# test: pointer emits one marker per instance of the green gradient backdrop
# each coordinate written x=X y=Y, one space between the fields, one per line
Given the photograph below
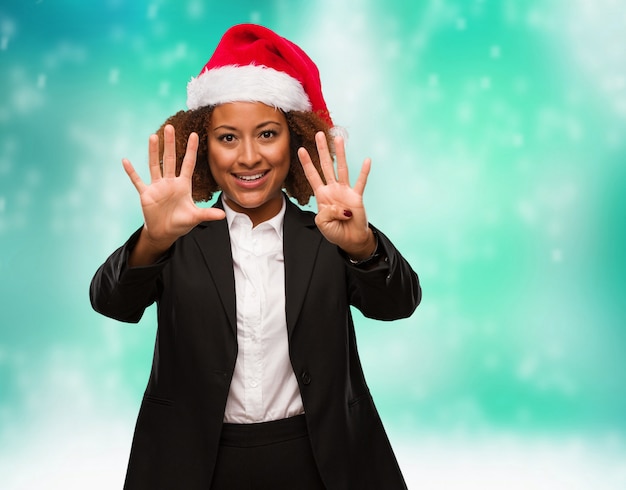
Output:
x=497 y=132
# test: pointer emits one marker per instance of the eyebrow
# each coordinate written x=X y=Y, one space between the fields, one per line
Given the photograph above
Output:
x=258 y=126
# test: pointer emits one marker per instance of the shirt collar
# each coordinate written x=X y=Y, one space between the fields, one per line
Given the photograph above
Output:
x=276 y=222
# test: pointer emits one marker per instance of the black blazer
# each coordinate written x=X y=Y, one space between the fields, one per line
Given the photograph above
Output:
x=178 y=428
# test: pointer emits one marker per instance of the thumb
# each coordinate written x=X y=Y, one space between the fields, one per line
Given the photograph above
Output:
x=210 y=214
x=332 y=213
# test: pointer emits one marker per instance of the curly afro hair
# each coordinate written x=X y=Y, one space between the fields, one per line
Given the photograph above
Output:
x=302 y=129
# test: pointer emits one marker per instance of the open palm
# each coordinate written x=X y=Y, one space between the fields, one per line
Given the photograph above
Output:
x=168 y=208
x=341 y=215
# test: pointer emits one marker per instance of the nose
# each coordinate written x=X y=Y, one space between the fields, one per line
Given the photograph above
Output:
x=249 y=153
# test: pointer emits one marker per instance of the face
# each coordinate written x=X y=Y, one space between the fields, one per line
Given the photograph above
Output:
x=249 y=157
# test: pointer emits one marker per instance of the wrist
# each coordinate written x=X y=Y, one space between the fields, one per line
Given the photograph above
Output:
x=147 y=251
x=366 y=252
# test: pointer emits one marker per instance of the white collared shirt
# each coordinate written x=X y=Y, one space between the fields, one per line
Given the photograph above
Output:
x=264 y=386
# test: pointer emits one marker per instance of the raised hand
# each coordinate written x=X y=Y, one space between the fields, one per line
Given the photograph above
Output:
x=168 y=209
x=341 y=216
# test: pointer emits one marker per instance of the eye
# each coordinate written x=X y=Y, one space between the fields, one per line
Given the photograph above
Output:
x=267 y=134
x=226 y=138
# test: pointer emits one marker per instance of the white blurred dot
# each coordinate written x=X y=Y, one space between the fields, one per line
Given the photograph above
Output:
x=433 y=80
x=614 y=82
x=26 y=98
x=461 y=24
x=620 y=106
x=195 y=8
x=7 y=30
x=153 y=10
x=614 y=139
x=527 y=212
x=518 y=140
x=255 y=17
x=520 y=85
x=41 y=81
x=485 y=83
x=465 y=113
x=495 y=51
x=527 y=368
x=557 y=255
x=164 y=89
x=393 y=50
x=114 y=76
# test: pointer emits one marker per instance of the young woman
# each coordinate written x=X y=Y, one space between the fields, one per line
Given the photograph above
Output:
x=256 y=380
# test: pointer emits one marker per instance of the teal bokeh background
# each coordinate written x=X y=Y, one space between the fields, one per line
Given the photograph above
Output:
x=497 y=132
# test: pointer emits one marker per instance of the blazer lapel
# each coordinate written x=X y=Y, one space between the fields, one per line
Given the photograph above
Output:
x=214 y=243
x=301 y=245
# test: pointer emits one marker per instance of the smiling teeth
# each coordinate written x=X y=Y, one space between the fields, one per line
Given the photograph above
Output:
x=250 y=178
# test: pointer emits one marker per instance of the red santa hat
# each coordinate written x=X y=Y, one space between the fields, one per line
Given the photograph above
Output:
x=254 y=64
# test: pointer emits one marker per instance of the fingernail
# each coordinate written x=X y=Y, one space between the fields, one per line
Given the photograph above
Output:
x=347 y=213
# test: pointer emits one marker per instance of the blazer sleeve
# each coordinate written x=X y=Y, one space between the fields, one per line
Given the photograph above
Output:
x=124 y=293
x=386 y=290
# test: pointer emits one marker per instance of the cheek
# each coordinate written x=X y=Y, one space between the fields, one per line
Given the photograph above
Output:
x=282 y=158
x=283 y=167
x=217 y=162
x=217 y=173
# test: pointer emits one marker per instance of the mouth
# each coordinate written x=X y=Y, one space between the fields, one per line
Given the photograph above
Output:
x=252 y=177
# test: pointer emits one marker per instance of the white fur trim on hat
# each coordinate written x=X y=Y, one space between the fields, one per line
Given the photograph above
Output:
x=249 y=83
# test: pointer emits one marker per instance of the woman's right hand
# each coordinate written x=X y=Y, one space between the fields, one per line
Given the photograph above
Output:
x=168 y=209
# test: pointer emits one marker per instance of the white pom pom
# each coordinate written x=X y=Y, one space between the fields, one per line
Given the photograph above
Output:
x=339 y=131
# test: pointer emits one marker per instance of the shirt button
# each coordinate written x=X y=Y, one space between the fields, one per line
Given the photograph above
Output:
x=305 y=377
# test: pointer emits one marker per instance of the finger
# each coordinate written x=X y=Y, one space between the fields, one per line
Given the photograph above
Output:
x=325 y=215
x=133 y=175
x=210 y=214
x=153 y=158
x=310 y=172
x=329 y=214
x=326 y=161
x=359 y=185
x=169 y=152
x=189 y=161
x=342 y=163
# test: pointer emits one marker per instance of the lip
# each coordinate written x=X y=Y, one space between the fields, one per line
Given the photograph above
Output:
x=241 y=179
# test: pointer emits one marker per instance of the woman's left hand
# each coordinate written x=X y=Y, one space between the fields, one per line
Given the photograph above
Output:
x=341 y=216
